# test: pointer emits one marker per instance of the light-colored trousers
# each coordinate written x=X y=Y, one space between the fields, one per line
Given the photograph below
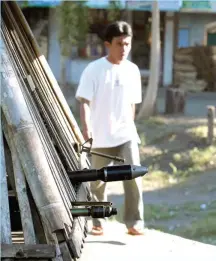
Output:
x=133 y=204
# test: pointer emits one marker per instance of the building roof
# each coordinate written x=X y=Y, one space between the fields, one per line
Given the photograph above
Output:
x=145 y=5
x=164 y=5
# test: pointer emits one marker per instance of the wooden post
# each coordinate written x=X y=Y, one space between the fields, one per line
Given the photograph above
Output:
x=211 y=119
x=175 y=101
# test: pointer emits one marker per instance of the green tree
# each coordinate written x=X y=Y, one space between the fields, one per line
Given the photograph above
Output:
x=114 y=11
x=73 y=24
x=73 y=21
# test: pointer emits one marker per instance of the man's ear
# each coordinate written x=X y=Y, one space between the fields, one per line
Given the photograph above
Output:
x=107 y=44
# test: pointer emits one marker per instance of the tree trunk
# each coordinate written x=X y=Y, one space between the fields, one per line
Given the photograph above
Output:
x=148 y=106
x=175 y=101
x=38 y=29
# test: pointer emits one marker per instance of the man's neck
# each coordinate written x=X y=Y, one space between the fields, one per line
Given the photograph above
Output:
x=113 y=60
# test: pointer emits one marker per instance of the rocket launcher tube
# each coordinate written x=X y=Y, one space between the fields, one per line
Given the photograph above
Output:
x=108 y=174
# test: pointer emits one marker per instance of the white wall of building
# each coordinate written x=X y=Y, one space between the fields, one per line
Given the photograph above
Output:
x=195 y=24
x=168 y=49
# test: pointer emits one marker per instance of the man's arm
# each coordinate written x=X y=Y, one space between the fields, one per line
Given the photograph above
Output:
x=85 y=118
x=84 y=95
x=133 y=110
x=136 y=95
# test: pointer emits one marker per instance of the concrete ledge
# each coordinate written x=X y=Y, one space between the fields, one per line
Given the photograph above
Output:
x=116 y=245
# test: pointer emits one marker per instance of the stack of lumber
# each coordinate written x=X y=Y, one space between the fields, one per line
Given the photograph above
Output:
x=185 y=71
x=41 y=133
x=204 y=58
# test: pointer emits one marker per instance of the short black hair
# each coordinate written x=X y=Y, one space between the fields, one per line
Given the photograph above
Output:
x=116 y=29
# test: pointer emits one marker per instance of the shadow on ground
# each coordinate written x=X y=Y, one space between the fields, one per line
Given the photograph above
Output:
x=186 y=209
x=118 y=243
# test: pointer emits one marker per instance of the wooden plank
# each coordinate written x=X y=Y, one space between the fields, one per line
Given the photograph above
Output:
x=5 y=212
x=21 y=251
x=21 y=189
x=65 y=252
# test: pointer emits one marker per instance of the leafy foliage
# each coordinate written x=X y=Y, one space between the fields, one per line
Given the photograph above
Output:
x=114 y=11
x=73 y=24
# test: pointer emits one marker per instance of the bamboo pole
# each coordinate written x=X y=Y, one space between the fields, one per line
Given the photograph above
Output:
x=31 y=153
x=40 y=96
x=211 y=119
x=5 y=225
x=31 y=64
x=21 y=189
x=49 y=74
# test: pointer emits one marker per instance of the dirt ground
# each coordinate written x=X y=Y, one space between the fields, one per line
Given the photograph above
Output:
x=180 y=189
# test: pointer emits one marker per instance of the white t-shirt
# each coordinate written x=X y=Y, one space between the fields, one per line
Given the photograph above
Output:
x=111 y=89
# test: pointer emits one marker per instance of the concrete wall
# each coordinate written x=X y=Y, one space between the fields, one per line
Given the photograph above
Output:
x=195 y=23
x=76 y=68
x=169 y=40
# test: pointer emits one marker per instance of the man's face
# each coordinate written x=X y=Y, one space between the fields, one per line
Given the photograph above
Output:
x=120 y=47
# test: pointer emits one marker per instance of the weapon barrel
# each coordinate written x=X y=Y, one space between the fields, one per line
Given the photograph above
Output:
x=108 y=174
x=94 y=212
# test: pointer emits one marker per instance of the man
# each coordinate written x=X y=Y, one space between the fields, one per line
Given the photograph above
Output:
x=108 y=91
